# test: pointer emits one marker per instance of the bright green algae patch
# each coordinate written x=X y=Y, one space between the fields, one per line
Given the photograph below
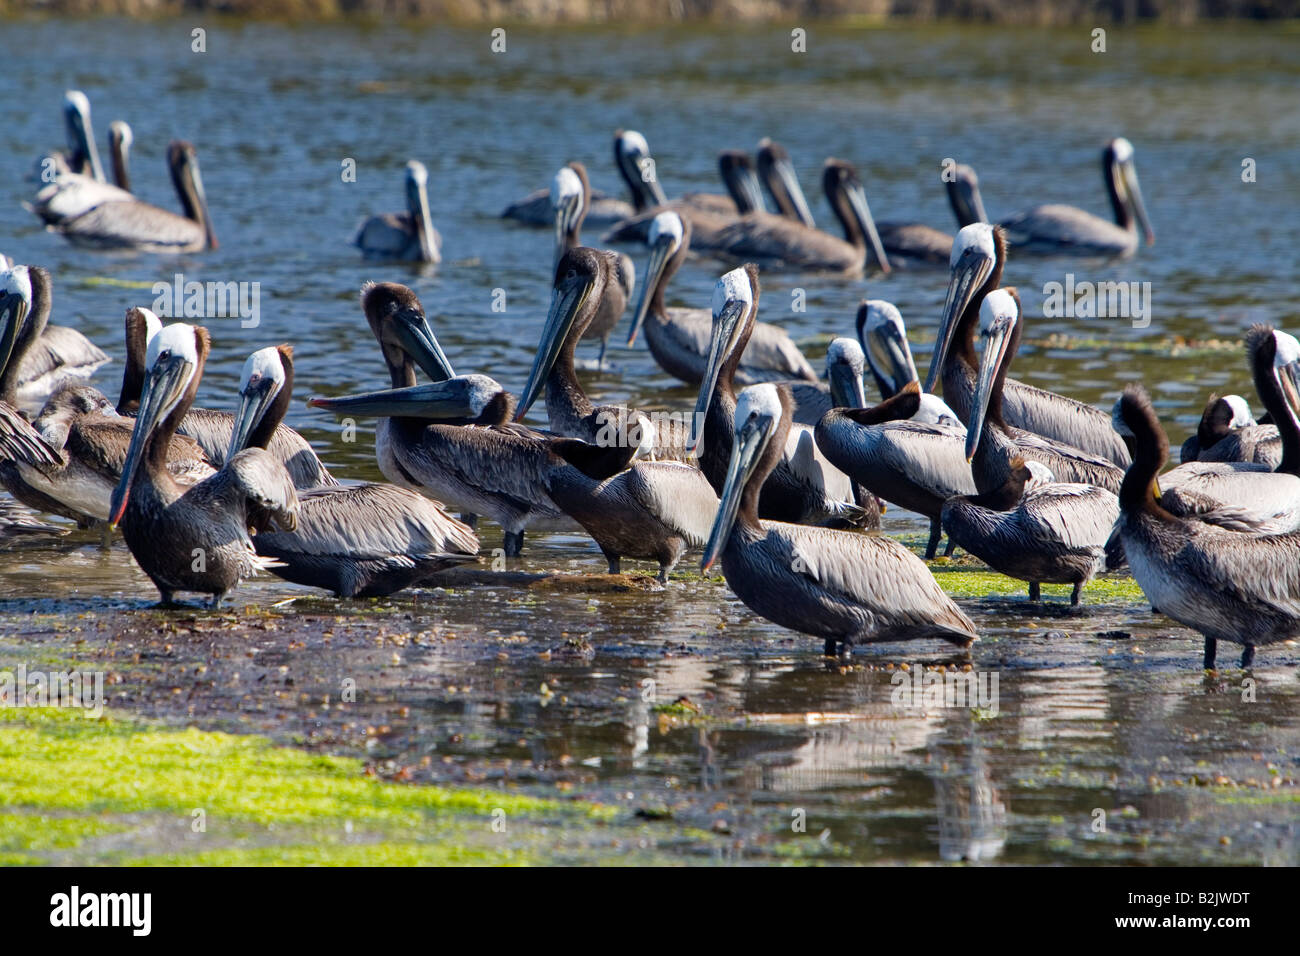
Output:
x=82 y=790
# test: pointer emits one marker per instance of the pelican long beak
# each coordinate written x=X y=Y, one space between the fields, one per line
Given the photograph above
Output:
x=785 y=175
x=748 y=186
x=846 y=386
x=567 y=301
x=968 y=276
x=1128 y=171
x=1288 y=377
x=164 y=385
x=725 y=325
x=81 y=141
x=660 y=253
x=566 y=216
x=418 y=201
x=254 y=400
x=996 y=343
x=447 y=400
x=890 y=357
x=201 y=197
x=13 y=312
x=751 y=440
x=862 y=212
x=421 y=344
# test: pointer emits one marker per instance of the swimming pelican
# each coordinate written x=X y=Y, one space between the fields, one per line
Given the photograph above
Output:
x=1023 y=523
x=1228 y=432
x=906 y=450
x=131 y=224
x=804 y=487
x=1239 y=494
x=780 y=243
x=583 y=279
x=679 y=338
x=963 y=188
x=74 y=181
x=404 y=236
x=1228 y=585
x=82 y=156
x=536 y=208
x=195 y=537
x=120 y=140
x=842 y=587
x=1057 y=229
x=776 y=172
x=979 y=253
x=363 y=540
x=211 y=428
x=571 y=196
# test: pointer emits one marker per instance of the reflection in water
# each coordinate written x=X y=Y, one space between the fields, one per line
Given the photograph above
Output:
x=972 y=815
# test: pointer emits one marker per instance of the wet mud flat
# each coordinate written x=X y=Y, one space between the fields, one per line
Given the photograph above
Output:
x=702 y=733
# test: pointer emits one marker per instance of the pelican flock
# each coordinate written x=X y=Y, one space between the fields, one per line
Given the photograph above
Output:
x=780 y=471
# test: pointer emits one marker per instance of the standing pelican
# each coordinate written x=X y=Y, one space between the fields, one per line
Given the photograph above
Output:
x=781 y=243
x=583 y=280
x=1228 y=585
x=1023 y=523
x=571 y=196
x=804 y=486
x=131 y=224
x=776 y=173
x=404 y=236
x=679 y=338
x=979 y=254
x=192 y=538
x=844 y=588
x=210 y=428
x=1056 y=229
x=365 y=540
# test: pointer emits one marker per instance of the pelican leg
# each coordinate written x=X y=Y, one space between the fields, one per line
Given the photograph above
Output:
x=1074 y=595
x=936 y=532
x=1035 y=592
x=949 y=547
x=105 y=535
x=514 y=543
x=615 y=564
x=1211 y=652
x=829 y=648
x=216 y=601
x=1248 y=655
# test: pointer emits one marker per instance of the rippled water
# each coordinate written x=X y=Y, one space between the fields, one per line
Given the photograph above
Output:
x=1086 y=720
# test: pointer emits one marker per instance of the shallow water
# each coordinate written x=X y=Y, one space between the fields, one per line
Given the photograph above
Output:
x=1086 y=718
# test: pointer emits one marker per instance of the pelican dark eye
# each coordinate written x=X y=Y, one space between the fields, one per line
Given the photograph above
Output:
x=164 y=354
x=571 y=274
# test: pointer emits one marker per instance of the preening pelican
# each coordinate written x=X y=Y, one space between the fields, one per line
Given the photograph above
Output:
x=131 y=224
x=571 y=196
x=1228 y=585
x=804 y=486
x=404 y=236
x=1022 y=523
x=46 y=357
x=843 y=587
x=776 y=173
x=1228 y=432
x=777 y=242
x=211 y=428
x=979 y=254
x=679 y=338
x=192 y=538
x=363 y=540
x=583 y=280
x=1057 y=229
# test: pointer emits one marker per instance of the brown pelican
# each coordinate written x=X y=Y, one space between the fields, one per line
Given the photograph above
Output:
x=1239 y=494
x=1228 y=432
x=1057 y=229
x=50 y=356
x=131 y=224
x=406 y=236
x=652 y=510
x=364 y=540
x=120 y=139
x=881 y=346
x=845 y=588
x=583 y=280
x=82 y=156
x=979 y=253
x=192 y=537
x=1228 y=585
x=212 y=429
x=1022 y=523
x=708 y=213
x=679 y=338
x=77 y=183
x=630 y=149
x=804 y=487
x=776 y=172
x=906 y=450
x=780 y=243
x=846 y=363
x=571 y=196
x=964 y=196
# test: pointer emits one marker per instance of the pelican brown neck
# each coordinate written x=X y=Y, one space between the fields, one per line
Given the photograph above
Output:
x=597 y=462
x=183 y=163
x=898 y=407
x=1139 y=490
